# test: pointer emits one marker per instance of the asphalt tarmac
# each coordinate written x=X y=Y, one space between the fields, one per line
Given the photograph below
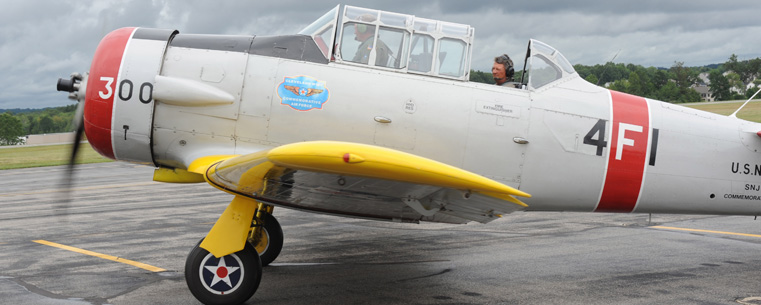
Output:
x=525 y=258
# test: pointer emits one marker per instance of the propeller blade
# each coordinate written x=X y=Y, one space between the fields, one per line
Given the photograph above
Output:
x=80 y=129
x=71 y=85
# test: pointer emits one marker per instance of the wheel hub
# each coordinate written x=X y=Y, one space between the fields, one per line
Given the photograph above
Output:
x=221 y=275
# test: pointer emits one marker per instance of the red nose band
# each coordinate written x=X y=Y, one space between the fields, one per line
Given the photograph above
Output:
x=101 y=89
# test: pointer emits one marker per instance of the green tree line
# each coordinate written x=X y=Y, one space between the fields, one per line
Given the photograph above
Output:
x=48 y=120
x=672 y=85
x=732 y=80
x=24 y=122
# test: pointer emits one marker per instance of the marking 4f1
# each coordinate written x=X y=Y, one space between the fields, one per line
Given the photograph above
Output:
x=596 y=137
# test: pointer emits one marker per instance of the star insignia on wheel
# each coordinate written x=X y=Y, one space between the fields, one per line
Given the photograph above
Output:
x=221 y=272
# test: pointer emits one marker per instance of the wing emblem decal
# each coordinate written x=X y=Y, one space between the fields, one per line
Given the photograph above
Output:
x=303 y=93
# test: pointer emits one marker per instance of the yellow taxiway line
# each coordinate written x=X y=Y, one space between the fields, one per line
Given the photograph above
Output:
x=706 y=231
x=103 y=256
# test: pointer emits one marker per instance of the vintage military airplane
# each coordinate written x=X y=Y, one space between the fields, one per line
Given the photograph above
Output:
x=323 y=122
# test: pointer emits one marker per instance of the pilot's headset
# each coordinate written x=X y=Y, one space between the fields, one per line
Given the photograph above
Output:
x=363 y=28
x=508 y=63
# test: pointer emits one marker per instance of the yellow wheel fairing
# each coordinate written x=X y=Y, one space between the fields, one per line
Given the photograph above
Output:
x=230 y=232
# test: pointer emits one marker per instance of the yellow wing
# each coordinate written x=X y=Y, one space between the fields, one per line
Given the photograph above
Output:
x=296 y=172
x=351 y=179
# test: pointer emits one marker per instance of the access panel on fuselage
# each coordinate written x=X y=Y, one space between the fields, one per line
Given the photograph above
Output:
x=497 y=126
x=567 y=154
x=185 y=131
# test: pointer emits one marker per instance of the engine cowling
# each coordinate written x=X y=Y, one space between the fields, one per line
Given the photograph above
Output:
x=119 y=104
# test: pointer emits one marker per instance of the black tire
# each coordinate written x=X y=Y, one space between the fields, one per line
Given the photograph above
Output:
x=223 y=286
x=270 y=246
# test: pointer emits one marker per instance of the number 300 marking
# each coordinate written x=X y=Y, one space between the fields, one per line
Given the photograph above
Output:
x=125 y=88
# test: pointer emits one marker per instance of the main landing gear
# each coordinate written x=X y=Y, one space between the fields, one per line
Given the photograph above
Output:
x=234 y=278
x=266 y=236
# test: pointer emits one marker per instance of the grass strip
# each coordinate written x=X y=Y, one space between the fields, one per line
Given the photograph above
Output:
x=46 y=155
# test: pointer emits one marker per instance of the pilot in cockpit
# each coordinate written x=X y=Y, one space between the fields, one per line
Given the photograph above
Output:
x=503 y=71
x=364 y=34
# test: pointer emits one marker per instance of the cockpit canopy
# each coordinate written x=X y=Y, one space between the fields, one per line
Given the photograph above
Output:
x=409 y=44
x=394 y=41
x=544 y=65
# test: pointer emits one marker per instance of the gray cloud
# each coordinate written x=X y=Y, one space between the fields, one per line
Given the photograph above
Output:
x=42 y=40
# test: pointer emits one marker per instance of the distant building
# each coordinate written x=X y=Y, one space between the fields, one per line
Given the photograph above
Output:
x=703 y=78
x=705 y=92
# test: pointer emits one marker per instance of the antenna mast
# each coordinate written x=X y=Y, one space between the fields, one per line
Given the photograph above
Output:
x=606 y=66
x=734 y=115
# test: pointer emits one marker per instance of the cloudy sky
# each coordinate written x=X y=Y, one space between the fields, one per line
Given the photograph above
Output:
x=42 y=40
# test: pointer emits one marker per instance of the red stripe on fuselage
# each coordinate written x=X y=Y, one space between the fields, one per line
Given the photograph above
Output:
x=627 y=153
x=99 y=110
